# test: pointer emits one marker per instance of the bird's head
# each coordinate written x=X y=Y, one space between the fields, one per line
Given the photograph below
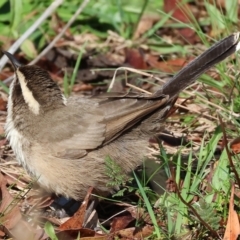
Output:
x=34 y=88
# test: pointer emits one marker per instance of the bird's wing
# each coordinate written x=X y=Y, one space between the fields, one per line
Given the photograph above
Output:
x=72 y=126
x=122 y=111
x=86 y=124
x=118 y=111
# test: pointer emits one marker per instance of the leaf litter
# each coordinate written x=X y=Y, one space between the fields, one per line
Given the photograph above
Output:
x=190 y=118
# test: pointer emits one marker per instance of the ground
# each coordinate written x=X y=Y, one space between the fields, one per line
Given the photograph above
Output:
x=133 y=47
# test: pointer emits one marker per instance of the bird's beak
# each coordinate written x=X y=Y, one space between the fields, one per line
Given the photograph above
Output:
x=13 y=60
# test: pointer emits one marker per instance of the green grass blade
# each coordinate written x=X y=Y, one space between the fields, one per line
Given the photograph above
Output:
x=73 y=78
x=145 y=4
x=48 y=227
x=16 y=15
x=149 y=207
x=4 y=87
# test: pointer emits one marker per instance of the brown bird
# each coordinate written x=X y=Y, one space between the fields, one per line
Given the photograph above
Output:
x=63 y=142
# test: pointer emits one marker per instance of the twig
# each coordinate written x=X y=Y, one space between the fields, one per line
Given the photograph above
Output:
x=233 y=87
x=228 y=152
x=70 y=22
x=131 y=70
x=48 y=12
x=206 y=225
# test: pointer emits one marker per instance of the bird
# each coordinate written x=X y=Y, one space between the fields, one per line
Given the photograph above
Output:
x=63 y=142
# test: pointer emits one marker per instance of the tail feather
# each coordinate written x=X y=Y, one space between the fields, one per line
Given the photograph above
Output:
x=199 y=65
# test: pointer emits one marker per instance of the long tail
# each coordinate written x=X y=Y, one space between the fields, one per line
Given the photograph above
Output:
x=199 y=65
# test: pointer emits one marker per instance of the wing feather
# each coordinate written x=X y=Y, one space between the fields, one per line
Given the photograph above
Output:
x=93 y=122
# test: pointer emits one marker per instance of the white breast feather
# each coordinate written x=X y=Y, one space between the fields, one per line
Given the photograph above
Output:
x=15 y=138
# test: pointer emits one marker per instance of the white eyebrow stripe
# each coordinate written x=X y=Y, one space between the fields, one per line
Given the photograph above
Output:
x=33 y=104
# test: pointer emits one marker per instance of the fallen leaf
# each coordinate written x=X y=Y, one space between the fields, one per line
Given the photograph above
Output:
x=205 y=125
x=233 y=227
x=11 y=218
x=169 y=66
x=135 y=58
x=144 y=25
x=77 y=221
x=85 y=37
x=120 y=223
x=235 y=145
x=6 y=73
x=72 y=234
x=181 y=12
x=82 y=87
x=135 y=233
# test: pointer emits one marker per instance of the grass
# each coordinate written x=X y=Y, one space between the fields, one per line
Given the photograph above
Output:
x=149 y=208
x=177 y=205
x=68 y=83
x=49 y=229
x=118 y=15
x=193 y=193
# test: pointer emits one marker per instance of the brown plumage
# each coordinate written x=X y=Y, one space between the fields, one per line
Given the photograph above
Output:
x=63 y=142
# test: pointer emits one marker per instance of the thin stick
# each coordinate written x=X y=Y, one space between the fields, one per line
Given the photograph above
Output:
x=228 y=152
x=130 y=70
x=48 y=12
x=70 y=22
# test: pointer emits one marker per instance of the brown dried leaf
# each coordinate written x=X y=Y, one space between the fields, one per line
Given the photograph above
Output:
x=181 y=12
x=205 y=125
x=144 y=25
x=72 y=234
x=3 y=107
x=233 y=227
x=5 y=74
x=135 y=233
x=76 y=222
x=15 y=176
x=170 y=66
x=11 y=218
x=136 y=212
x=235 y=145
x=120 y=223
x=38 y=200
x=85 y=37
x=11 y=214
x=135 y=58
x=82 y=87
x=140 y=214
